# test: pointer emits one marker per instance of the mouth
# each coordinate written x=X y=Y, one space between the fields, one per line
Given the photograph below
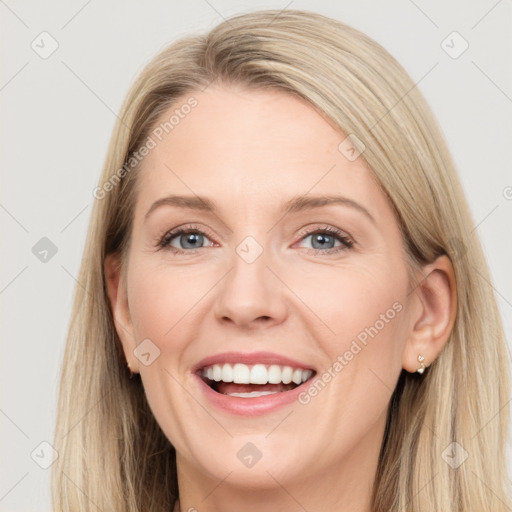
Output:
x=252 y=381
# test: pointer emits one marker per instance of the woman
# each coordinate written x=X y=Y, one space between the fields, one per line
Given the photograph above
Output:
x=218 y=361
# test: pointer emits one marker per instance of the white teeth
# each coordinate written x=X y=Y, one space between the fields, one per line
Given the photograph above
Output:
x=253 y=394
x=241 y=374
x=217 y=373
x=274 y=374
x=286 y=374
x=297 y=376
x=306 y=374
x=259 y=374
x=227 y=373
x=256 y=374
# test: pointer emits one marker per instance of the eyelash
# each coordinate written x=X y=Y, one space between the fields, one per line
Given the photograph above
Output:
x=164 y=242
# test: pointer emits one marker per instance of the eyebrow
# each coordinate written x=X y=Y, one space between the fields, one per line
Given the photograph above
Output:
x=295 y=204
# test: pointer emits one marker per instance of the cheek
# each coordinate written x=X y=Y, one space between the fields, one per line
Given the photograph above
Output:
x=353 y=302
x=163 y=300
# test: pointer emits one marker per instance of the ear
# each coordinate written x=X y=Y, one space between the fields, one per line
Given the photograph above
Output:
x=434 y=311
x=115 y=277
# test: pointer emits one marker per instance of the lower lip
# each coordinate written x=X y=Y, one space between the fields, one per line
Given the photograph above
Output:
x=249 y=406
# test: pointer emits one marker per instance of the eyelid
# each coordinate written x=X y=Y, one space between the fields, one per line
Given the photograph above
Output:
x=163 y=241
x=345 y=239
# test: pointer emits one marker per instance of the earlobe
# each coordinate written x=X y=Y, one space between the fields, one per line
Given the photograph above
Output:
x=434 y=315
x=116 y=290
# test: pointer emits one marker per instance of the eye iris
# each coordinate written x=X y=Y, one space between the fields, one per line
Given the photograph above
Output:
x=322 y=240
x=191 y=238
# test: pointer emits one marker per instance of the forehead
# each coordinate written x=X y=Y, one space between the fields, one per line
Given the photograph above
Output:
x=238 y=144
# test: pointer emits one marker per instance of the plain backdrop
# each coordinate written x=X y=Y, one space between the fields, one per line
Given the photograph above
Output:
x=57 y=114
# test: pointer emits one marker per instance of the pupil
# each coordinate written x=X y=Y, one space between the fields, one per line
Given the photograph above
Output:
x=322 y=239
x=191 y=238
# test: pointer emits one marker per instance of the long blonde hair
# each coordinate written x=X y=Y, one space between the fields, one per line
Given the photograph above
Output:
x=113 y=455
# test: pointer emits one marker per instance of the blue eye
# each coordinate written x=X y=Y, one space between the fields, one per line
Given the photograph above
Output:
x=190 y=239
x=325 y=238
x=188 y=236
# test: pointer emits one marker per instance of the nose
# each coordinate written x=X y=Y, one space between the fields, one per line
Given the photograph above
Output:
x=251 y=295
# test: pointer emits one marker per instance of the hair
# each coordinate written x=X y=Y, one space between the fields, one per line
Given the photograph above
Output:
x=113 y=454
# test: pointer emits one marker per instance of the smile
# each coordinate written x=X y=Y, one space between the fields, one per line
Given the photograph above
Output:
x=251 y=383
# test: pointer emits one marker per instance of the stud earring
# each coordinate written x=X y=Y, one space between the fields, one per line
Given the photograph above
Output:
x=130 y=368
x=421 y=369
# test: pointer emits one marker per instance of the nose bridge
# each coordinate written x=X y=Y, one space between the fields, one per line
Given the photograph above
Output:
x=250 y=290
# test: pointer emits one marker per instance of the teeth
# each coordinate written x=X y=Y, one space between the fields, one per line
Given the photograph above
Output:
x=256 y=374
x=297 y=376
x=227 y=373
x=252 y=394
x=286 y=374
x=241 y=374
x=259 y=374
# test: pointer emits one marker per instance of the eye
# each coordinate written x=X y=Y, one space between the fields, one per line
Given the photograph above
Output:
x=324 y=239
x=188 y=239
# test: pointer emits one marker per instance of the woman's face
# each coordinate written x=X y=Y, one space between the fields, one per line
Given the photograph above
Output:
x=269 y=282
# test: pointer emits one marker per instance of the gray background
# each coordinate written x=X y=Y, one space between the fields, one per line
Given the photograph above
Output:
x=57 y=116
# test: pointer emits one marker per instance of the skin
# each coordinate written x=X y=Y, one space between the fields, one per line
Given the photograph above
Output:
x=249 y=151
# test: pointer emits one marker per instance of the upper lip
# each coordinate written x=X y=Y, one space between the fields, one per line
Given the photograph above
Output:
x=250 y=358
